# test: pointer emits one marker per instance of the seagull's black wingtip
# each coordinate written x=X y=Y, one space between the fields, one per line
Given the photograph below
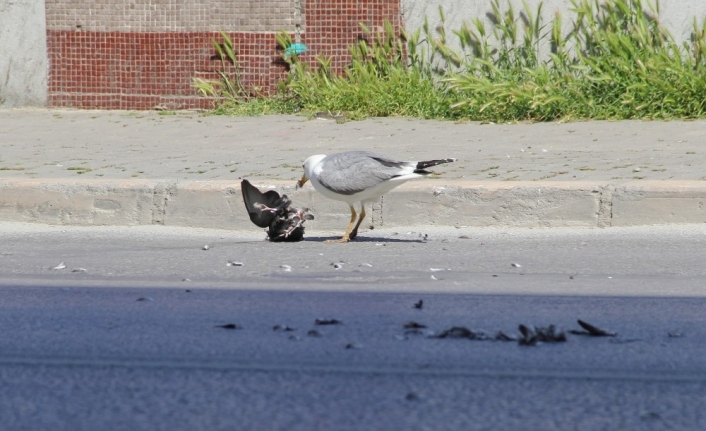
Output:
x=421 y=166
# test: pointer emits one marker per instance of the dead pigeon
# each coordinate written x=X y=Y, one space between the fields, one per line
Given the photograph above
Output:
x=269 y=210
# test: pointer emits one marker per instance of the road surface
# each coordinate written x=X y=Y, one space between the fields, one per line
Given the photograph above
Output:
x=137 y=337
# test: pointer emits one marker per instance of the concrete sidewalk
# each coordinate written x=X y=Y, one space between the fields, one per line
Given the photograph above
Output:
x=130 y=168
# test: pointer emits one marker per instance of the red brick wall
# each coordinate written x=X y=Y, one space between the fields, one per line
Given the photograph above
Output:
x=91 y=65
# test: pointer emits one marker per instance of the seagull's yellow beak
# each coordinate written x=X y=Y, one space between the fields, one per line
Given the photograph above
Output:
x=302 y=181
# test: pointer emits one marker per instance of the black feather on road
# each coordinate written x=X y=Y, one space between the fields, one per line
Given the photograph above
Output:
x=274 y=212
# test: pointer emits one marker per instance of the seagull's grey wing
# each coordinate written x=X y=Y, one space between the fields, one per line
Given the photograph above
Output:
x=253 y=196
x=354 y=171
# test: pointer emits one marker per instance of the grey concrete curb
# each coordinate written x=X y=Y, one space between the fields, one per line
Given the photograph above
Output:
x=218 y=204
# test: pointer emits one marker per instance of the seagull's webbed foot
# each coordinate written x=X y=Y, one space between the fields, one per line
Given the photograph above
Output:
x=339 y=240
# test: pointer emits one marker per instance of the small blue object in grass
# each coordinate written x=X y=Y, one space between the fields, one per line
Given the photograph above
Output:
x=295 y=49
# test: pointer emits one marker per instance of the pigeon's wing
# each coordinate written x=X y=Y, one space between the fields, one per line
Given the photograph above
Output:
x=253 y=196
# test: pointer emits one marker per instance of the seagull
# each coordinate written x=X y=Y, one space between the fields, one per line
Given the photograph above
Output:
x=270 y=210
x=359 y=176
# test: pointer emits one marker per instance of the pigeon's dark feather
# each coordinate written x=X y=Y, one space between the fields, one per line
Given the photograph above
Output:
x=252 y=197
x=269 y=210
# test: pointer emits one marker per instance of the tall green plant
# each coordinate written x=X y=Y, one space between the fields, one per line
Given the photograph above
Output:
x=617 y=62
x=386 y=76
x=229 y=84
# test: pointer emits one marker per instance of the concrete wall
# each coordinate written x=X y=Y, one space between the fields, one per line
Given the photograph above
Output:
x=23 y=53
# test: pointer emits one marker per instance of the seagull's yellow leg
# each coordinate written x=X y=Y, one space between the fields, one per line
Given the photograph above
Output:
x=354 y=232
x=346 y=236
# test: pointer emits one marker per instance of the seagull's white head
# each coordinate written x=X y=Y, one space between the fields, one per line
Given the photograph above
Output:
x=309 y=165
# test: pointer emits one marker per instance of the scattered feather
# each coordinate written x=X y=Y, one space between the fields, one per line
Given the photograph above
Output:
x=413 y=325
x=60 y=266
x=591 y=330
x=79 y=270
x=530 y=335
x=457 y=332
x=327 y=322
x=234 y=263
x=411 y=396
x=286 y=268
x=501 y=336
x=205 y=247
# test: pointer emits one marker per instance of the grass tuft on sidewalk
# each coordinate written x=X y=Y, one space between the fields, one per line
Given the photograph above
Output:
x=613 y=61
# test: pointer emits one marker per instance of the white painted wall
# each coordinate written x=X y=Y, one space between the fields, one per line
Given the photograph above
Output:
x=23 y=53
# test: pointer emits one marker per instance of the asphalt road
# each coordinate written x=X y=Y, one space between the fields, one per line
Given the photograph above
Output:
x=136 y=340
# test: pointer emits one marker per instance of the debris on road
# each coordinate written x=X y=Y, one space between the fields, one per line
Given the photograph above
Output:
x=413 y=325
x=229 y=326
x=459 y=332
x=591 y=330
x=327 y=322
x=501 y=336
x=531 y=336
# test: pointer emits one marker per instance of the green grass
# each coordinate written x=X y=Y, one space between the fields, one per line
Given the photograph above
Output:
x=617 y=62
x=79 y=169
